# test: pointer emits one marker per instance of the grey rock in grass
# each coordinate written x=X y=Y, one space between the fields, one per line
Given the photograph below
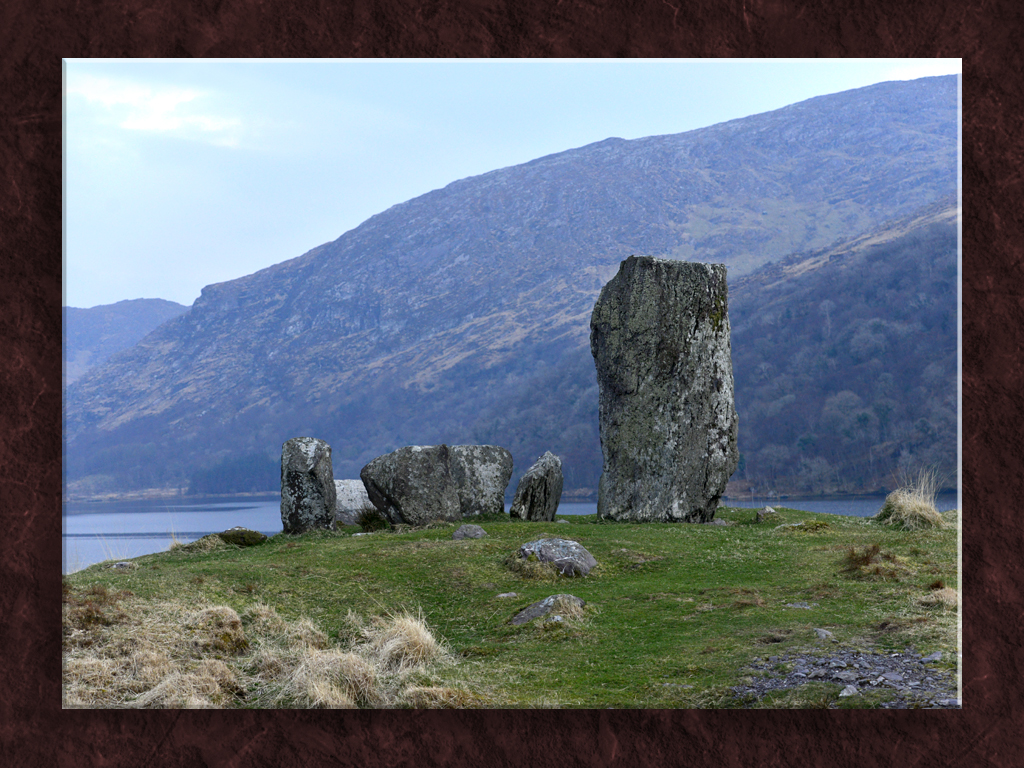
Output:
x=660 y=337
x=352 y=499
x=308 y=495
x=570 y=557
x=481 y=474
x=413 y=485
x=539 y=490
x=545 y=606
x=767 y=514
x=242 y=537
x=469 y=531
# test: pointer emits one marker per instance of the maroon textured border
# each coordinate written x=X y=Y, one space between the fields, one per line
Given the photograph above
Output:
x=34 y=35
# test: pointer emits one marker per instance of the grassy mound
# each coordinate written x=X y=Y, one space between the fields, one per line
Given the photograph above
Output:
x=411 y=618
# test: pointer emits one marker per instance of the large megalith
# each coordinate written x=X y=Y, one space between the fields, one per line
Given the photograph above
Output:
x=539 y=490
x=659 y=334
x=308 y=495
x=413 y=485
x=481 y=474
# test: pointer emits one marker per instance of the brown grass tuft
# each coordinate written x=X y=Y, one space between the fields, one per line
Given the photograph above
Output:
x=911 y=507
x=870 y=561
x=332 y=679
x=437 y=697
x=566 y=608
x=944 y=597
x=304 y=634
x=403 y=642
x=181 y=691
x=220 y=629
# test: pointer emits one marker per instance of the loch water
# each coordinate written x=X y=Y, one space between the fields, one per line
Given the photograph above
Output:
x=118 y=530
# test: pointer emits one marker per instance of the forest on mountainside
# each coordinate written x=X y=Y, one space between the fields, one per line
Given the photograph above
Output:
x=846 y=378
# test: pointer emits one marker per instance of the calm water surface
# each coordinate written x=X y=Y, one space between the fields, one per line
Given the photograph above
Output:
x=98 y=531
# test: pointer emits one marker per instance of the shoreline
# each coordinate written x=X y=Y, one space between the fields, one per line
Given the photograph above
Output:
x=152 y=494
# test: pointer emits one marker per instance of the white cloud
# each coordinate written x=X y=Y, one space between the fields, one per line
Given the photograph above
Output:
x=164 y=109
x=915 y=68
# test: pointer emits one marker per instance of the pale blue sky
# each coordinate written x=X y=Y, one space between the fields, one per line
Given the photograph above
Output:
x=179 y=174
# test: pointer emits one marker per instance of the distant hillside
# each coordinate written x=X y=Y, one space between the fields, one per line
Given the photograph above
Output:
x=844 y=362
x=432 y=320
x=92 y=335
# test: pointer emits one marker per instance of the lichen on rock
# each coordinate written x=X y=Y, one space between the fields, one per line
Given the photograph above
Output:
x=660 y=337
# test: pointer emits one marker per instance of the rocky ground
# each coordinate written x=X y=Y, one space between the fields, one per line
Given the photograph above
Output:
x=915 y=679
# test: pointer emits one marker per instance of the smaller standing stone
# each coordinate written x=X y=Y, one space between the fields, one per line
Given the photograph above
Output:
x=481 y=474
x=413 y=485
x=469 y=532
x=308 y=495
x=352 y=500
x=539 y=491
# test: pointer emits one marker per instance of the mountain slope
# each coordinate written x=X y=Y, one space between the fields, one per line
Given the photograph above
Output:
x=92 y=335
x=440 y=305
x=844 y=363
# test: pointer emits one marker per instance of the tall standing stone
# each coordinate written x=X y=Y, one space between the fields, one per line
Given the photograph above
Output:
x=660 y=338
x=308 y=496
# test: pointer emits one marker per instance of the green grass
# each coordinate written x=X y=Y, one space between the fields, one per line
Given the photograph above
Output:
x=686 y=605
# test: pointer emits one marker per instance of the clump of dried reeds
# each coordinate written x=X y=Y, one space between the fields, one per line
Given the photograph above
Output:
x=912 y=505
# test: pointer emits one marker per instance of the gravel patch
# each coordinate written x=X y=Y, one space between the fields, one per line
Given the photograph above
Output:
x=915 y=679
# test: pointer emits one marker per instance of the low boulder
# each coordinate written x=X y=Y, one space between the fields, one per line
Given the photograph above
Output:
x=481 y=474
x=308 y=495
x=352 y=499
x=766 y=515
x=559 y=604
x=539 y=490
x=242 y=537
x=570 y=557
x=413 y=485
x=469 y=532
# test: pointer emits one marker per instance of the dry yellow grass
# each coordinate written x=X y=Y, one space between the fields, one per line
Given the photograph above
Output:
x=403 y=642
x=329 y=679
x=566 y=608
x=123 y=652
x=912 y=506
x=945 y=597
x=439 y=697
